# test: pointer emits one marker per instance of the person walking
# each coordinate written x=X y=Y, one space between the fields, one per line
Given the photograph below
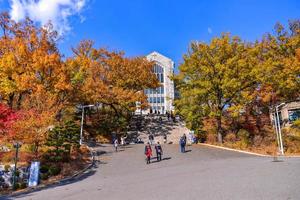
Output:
x=116 y=143
x=184 y=137
x=182 y=144
x=123 y=140
x=148 y=152
x=165 y=138
x=159 y=151
x=151 y=138
x=160 y=120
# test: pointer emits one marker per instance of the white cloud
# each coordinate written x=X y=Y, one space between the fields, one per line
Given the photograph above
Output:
x=43 y=11
x=209 y=30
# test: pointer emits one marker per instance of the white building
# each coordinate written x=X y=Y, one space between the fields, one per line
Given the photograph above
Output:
x=161 y=99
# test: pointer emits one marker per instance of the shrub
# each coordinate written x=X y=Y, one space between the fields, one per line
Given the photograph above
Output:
x=296 y=124
x=292 y=144
x=44 y=169
x=54 y=170
x=230 y=137
x=243 y=136
x=17 y=186
x=44 y=176
x=7 y=157
x=211 y=138
x=23 y=185
x=6 y=168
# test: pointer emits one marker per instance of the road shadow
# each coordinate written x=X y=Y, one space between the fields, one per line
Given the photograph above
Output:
x=29 y=193
x=156 y=161
x=187 y=151
x=167 y=158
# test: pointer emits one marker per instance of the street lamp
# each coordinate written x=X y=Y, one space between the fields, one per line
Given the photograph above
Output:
x=278 y=128
x=17 y=145
x=81 y=125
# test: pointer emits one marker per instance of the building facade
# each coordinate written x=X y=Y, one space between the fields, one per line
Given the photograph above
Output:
x=288 y=113
x=161 y=99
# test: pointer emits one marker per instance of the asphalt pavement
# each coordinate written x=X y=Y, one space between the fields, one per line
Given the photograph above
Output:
x=200 y=173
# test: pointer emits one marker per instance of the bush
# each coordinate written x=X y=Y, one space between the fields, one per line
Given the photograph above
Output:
x=6 y=168
x=7 y=157
x=23 y=185
x=54 y=170
x=230 y=137
x=296 y=124
x=243 y=136
x=211 y=138
x=44 y=169
x=44 y=176
x=17 y=186
x=292 y=144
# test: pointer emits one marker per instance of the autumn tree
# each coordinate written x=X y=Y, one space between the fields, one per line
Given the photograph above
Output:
x=216 y=76
x=109 y=79
x=7 y=119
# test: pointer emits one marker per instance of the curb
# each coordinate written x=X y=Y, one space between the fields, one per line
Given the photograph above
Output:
x=245 y=152
x=43 y=186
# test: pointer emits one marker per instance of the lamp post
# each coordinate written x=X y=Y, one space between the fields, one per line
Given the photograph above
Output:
x=279 y=135
x=17 y=145
x=81 y=125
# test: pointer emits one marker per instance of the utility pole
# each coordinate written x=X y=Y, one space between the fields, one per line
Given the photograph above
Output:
x=81 y=125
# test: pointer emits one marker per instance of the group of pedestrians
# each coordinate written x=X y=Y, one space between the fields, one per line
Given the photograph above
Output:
x=148 y=152
x=158 y=148
x=116 y=142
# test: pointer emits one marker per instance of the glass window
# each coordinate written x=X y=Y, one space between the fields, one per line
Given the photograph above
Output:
x=151 y=100
x=294 y=115
x=161 y=78
x=162 y=100
x=154 y=99
x=158 y=99
x=162 y=90
x=163 y=108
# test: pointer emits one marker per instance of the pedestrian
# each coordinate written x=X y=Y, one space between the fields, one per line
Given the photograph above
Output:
x=116 y=143
x=151 y=138
x=165 y=138
x=159 y=151
x=190 y=136
x=184 y=137
x=148 y=152
x=123 y=140
x=182 y=144
x=160 y=120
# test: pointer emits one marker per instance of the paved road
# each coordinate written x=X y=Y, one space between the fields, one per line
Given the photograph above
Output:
x=201 y=173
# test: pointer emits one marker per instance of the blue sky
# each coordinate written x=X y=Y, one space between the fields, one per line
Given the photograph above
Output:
x=139 y=27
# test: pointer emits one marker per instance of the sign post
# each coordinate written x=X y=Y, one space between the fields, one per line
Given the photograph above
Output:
x=34 y=174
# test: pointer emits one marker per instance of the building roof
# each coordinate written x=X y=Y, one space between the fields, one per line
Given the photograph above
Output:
x=155 y=56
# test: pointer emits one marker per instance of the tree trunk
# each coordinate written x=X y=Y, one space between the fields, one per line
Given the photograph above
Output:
x=219 y=129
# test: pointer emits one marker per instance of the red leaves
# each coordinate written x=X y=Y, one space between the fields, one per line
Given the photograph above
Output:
x=7 y=119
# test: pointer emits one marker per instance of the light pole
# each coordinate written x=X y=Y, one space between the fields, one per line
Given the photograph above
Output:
x=17 y=145
x=81 y=125
x=279 y=135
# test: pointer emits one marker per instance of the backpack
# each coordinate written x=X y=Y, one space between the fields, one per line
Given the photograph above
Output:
x=182 y=141
x=158 y=148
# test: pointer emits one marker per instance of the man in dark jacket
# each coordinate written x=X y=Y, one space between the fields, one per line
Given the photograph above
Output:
x=182 y=143
x=159 y=151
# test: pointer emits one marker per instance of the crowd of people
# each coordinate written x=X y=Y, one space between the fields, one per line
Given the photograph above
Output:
x=157 y=146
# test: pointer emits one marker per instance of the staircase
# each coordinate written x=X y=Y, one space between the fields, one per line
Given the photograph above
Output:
x=141 y=126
